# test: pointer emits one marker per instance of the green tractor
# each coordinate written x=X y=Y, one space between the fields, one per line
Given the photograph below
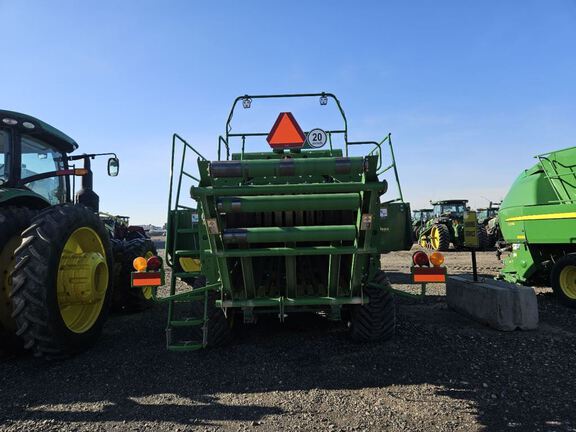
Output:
x=447 y=227
x=299 y=228
x=56 y=257
x=128 y=243
x=538 y=222
x=419 y=219
x=488 y=220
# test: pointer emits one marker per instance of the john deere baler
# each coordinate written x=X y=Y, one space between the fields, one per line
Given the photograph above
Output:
x=299 y=228
x=538 y=222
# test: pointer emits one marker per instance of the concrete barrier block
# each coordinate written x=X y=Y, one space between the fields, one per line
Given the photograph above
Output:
x=501 y=305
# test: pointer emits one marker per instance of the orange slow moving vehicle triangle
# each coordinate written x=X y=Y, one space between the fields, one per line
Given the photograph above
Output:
x=286 y=133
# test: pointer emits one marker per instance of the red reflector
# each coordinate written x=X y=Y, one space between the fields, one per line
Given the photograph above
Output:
x=286 y=133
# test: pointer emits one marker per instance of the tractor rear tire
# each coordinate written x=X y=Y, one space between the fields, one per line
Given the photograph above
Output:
x=125 y=298
x=62 y=281
x=13 y=220
x=483 y=238
x=563 y=280
x=219 y=326
x=440 y=237
x=376 y=320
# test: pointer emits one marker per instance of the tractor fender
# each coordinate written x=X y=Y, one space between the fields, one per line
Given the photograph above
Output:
x=22 y=198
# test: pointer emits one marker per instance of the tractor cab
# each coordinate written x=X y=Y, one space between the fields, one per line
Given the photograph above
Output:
x=421 y=215
x=451 y=208
x=30 y=150
x=35 y=163
x=484 y=215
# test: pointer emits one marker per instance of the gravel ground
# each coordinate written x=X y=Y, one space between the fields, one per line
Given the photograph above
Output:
x=441 y=372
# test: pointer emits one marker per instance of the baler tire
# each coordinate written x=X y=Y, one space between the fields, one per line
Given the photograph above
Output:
x=563 y=280
x=13 y=220
x=219 y=326
x=125 y=298
x=374 y=321
x=443 y=238
x=37 y=310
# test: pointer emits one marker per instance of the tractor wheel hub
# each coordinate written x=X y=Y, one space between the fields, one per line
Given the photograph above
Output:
x=83 y=278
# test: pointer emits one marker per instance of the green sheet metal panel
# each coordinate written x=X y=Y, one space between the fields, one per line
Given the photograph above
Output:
x=395 y=223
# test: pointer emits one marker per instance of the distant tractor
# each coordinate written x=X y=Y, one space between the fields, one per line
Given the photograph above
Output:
x=299 y=228
x=447 y=226
x=538 y=222
x=56 y=255
x=419 y=219
x=128 y=243
x=488 y=219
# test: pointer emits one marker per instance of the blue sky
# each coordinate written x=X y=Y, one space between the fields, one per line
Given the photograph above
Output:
x=469 y=90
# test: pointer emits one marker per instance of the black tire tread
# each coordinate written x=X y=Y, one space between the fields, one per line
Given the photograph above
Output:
x=12 y=220
x=34 y=273
x=444 y=241
x=125 y=298
x=219 y=330
x=376 y=320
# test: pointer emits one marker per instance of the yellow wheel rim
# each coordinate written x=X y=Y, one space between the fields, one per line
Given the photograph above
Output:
x=82 y=280
x=423 y=241
x=7 y=261
x=435 y=238
x=568 y=281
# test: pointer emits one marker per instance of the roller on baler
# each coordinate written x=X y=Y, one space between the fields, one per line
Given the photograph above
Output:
x=296 y=229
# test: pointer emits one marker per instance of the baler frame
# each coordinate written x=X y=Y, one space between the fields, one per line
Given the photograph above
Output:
x=210 y=194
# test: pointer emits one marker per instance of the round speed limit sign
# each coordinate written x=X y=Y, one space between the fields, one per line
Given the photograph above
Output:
x=317 y=138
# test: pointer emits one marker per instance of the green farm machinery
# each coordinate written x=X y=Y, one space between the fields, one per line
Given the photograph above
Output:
x=296 y=228
x=538 y=222
x=488 y=220
x=419 y=219
x=56 y=256
x=445 y=227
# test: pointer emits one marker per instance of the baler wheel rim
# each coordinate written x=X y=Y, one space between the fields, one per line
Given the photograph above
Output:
x=568 y=281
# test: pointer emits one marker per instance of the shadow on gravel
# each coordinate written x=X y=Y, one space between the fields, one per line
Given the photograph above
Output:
x=439 y=363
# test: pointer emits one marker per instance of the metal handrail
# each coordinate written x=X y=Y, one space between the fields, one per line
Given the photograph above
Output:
x=379 y=169
x=344 y=131
x=175 y=139
x=557 y=176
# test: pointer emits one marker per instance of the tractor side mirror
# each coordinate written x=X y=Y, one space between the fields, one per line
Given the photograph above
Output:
x=113 y=166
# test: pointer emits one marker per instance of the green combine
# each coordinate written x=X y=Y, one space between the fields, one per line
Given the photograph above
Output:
x=298 y=228
x=538 y=222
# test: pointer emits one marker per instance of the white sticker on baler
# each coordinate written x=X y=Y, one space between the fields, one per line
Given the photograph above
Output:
x=383 y=212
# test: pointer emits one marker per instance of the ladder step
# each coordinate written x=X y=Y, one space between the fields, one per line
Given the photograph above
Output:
x=187 y=322
x=185 y=346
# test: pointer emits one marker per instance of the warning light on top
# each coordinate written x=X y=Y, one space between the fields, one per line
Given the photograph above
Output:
x=286 y=133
